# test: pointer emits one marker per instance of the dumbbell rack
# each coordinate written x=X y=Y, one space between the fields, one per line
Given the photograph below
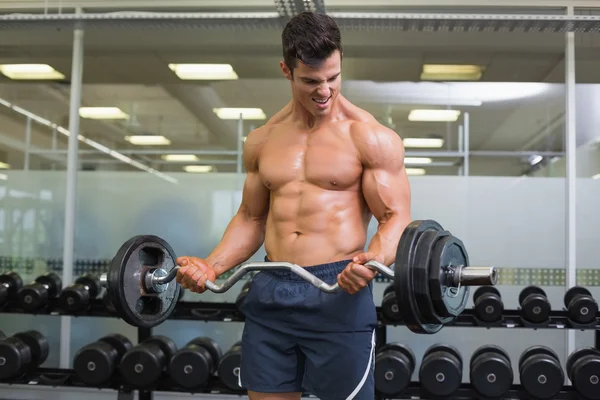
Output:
x=227 y=312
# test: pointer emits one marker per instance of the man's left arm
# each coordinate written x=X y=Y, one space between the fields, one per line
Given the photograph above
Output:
x=386 y=190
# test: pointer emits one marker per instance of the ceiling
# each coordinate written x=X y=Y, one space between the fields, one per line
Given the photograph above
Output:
x=521 y=93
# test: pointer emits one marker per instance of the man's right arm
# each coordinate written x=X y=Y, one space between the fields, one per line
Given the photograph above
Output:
x=245 y=232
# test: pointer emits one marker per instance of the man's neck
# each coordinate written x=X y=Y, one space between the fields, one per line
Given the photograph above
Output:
x=310 y=121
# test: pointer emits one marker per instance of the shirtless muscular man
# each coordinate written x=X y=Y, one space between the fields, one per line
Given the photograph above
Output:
x=317 y=172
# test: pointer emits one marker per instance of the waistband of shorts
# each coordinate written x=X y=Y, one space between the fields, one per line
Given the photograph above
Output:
x=321 y=271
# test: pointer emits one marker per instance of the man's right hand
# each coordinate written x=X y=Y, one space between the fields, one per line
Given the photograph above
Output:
x=193 y=273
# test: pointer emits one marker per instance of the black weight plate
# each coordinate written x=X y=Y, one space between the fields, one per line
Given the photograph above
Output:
x=491 y=373
x=14 y=282
x=574 y=291
x=537 y=349
x=440 y=374
x=490 y=349
x=404 y=276
x=484 y=290
x=213 y=348
x=229 y=368
x=125 y=291
x=541 y=375
x=448 y=301
x=421 y=282
x=121 y=343
x=577 y=354
x=190 y=367
x=38 y=346
x=393 y=369
x=94 y=363
x=530 y=290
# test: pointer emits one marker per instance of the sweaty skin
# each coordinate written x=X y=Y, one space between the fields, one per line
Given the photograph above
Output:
x=316 y=174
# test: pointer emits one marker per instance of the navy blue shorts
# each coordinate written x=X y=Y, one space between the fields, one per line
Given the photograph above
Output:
x=299 y=339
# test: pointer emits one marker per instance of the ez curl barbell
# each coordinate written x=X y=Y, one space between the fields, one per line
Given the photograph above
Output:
x=431 y=278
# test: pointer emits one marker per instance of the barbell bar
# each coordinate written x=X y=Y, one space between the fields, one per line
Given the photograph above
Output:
x=431 y=276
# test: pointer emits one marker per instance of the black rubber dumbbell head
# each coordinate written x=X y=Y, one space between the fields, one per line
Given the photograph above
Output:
x=76 y=297
x=3 y=295
x=540 y=372
x=394 y=366
x=534 y=303
x=21 y=352
x=488 y=304
x=36 y=294
x=581 y=306
x=583 y=369
x=440 y=373
x=491 y=372
x=388 y=289
x=12 y=282
x=192 y=366
x=389 y=307
x=229 y=367
x=142 y=366
x=96 y=363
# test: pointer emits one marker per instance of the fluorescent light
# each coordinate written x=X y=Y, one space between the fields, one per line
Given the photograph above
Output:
x=4 y=165
x=148 y=140
x=417 y=160
x=197 y=168
x=3 y=177
x=434 y=115
x=534 y=159
x=234 y=113
x=423 y=142
x=450 y=72
x=415 y=171
x=180 y=157
x=204 y=71
x=597 y=176
x=102 y=113
x=30 y=71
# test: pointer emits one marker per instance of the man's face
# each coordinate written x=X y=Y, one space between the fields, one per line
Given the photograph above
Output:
x=316 y=88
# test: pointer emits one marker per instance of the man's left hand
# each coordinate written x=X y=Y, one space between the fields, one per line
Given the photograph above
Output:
x=356 y=276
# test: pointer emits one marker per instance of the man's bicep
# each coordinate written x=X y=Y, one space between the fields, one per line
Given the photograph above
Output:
x=255 y=197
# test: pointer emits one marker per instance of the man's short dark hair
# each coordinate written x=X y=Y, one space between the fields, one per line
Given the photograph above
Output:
x=310 y=38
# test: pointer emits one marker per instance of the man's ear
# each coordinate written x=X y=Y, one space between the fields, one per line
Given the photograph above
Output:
x=286 y=70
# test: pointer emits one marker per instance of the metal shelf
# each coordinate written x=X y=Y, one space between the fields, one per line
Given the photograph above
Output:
x=419 y=22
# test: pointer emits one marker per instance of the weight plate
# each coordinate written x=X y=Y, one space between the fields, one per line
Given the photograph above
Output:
x=530 y=290
x=404 y=276
x=541 y=375
x=124 y=286
x=448 y=301
x=422 y=267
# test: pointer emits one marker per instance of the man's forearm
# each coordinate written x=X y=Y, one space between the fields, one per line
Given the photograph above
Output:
x=242 y=238
x=386 y=239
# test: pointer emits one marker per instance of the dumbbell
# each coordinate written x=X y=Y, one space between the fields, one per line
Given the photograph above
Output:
x=10 y=283
x=192 y=366
x=540 y=372
x=583 y=369
x=96 y=363
x=36 y=294
x=389 y=305
x=243 y=293
x=581 y=306
x=394 y=366
x=22 y=352
x=488 y=304
x=229 y=367
x=440 y=373
x=490 y=371
x=77 y=296
x=143 y=365
x=535 y=307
